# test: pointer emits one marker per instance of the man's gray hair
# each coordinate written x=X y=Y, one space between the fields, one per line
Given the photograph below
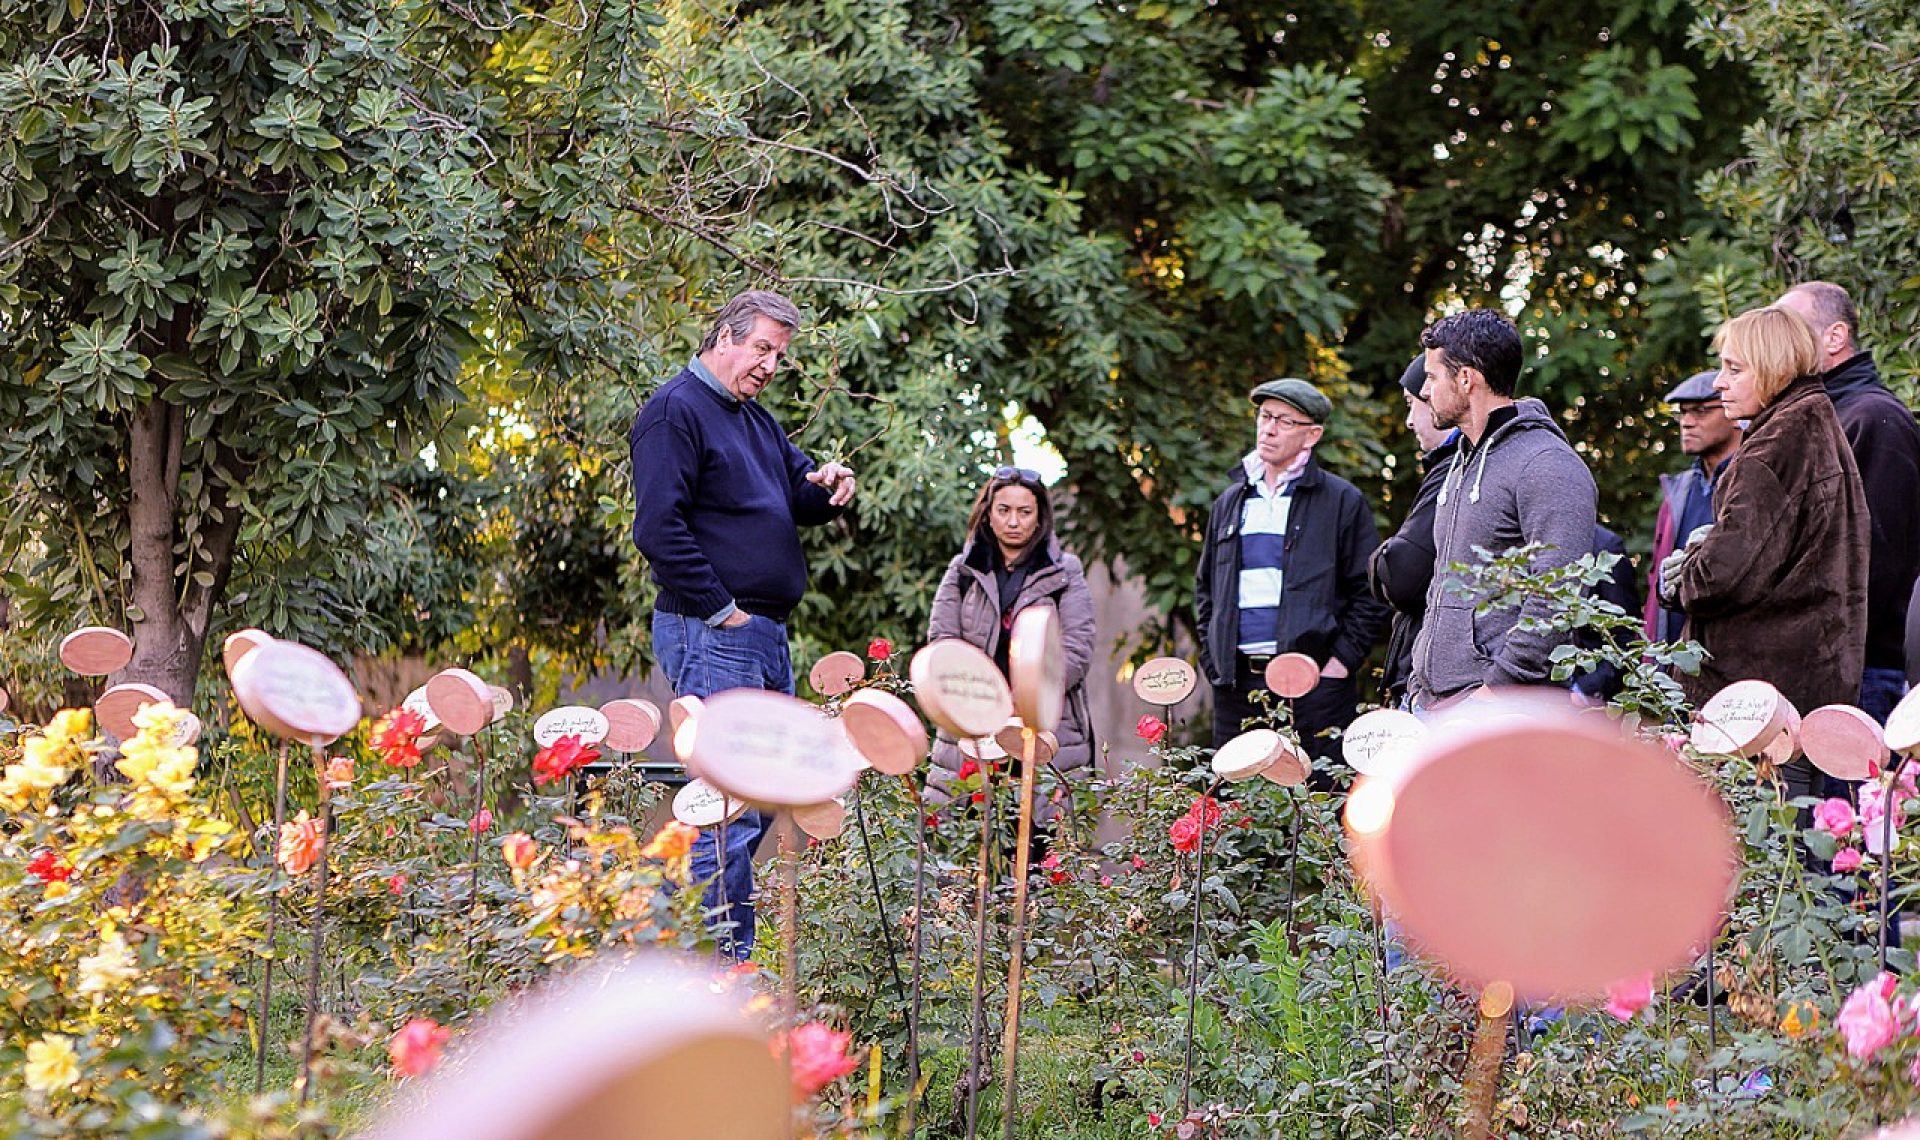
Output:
x=1831 y=306
x=736 y=316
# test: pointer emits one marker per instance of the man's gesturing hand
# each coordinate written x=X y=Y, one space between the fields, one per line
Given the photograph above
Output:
x=837 y=478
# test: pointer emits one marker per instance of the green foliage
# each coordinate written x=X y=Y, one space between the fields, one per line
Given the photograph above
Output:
x=1825 y=188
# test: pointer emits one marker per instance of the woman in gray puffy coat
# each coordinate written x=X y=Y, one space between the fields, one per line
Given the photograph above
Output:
x=1011 y=561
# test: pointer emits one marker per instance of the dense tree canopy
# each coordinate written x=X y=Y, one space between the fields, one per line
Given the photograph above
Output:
x=340 y=314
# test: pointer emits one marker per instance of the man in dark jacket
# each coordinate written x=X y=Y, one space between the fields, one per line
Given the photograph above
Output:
x=1885 y=440
x=1515 y=481
x=718 y=493
x=1686 y=499
x=1283 y=569
x=1402 y=568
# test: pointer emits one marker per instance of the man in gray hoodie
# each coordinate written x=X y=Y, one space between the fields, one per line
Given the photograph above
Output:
x=1514 y=480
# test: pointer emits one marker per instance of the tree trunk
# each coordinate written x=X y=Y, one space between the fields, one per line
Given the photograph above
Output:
x=172 y=603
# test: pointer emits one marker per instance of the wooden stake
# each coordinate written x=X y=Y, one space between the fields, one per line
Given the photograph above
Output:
x=269 y=954
x=318 y=924
x=1485 y=1061
x=976 y=1031
x=1016 y=937
x=919 y=944
x=790 y=942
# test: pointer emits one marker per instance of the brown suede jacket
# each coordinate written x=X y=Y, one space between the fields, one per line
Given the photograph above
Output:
x=1777 y=590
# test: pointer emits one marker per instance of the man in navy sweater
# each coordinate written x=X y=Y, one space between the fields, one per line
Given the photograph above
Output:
x=719 y=494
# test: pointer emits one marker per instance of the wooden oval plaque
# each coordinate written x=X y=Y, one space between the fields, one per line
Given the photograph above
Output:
x=1292 y=675
x=1247 y=755
x=822 y=820
x=96 y=650
x=960 y=688
x=502 y=701
x=885 y=730
x=1739 y=720
x=1164 y=681
x=645 y=1049
x=835 y=673
x=1903 y=726
x=1291 y=766
x=115 y=709
x=570 y=720
x=1615 y=859
x=632 y=723
x=982 y=748
x=1379 y=741
x=1012 y=740
x=770 y=748
x=682 y=709
x=1843 y=742
x=462 y=701
x=238 y=644
x=296 y=692
x=700 y=804
x=1037 y=666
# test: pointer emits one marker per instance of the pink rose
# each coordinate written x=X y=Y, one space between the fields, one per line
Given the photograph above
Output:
x=481 y=822
x=1873 y=812
x=1629 y=996
x=1151 y=729
x=415 y=1049
x=1846 y=861
x=1835 y=817
x=819 y=1057
x=1868 y=1020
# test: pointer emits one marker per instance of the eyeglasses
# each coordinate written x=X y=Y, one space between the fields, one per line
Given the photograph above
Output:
x=1016 y=475
x=1277 y=420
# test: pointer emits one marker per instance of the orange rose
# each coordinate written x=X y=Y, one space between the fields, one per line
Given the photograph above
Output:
x=301 y=841
x=339 y=772
x=673 y=841
x=520 y=850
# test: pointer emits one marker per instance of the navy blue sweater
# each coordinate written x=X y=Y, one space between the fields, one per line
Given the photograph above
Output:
x=718 y=493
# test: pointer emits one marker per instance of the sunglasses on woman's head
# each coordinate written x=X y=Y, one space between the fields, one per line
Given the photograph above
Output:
x=1016 y=474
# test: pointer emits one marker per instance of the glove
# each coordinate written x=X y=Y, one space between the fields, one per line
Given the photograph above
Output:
x=1670 y=578
x=1671 y=564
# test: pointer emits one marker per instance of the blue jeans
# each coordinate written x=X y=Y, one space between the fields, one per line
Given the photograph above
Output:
x=1880 y=690
x=701 y=660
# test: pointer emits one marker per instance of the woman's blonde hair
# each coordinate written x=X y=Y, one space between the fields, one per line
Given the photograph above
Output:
x=1776 y=345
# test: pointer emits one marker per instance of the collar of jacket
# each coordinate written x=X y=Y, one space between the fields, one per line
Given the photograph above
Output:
x=1854 y=374
x=1442 y=453
x=1802 y=389
x=1310 y=475
x=978 y=556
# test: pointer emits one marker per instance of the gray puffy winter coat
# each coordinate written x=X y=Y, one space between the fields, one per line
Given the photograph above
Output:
x=967 y=606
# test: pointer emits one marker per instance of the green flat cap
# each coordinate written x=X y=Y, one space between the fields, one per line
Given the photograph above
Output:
x=1302 y=395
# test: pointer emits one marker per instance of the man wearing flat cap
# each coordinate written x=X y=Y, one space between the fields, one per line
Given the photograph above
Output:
x=1283 y=569
x=1686 y=499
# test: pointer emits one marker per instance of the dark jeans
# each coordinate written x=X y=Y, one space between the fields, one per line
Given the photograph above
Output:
x=1331 y=704
x=1880 y=690
x=700 y=661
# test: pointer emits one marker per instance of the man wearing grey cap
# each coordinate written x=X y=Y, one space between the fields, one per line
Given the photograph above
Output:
x=1283 y=569
x=1686 y=499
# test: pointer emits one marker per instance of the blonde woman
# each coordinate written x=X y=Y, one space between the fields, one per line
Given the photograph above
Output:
x=1777 y=587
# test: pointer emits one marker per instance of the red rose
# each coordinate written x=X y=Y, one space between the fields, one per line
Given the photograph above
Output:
x=879 y=649
x=396 y=737
x=968 y=770
x=48 y=867
x=818 y=1055
x=1206 y=812
x=562 y=758
x=1185 y=834
x=1151 y=729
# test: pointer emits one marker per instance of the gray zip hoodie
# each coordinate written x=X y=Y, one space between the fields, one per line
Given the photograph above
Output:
x=1522 y=484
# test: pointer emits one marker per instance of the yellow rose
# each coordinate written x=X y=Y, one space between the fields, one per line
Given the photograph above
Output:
x=52 y=1064
x=71 y=724
x=105 y=970
x=1802 y=1017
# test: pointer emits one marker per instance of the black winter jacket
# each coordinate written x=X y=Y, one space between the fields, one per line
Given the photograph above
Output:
x=1885 y=440
x=1325 y=610
x=1402 y=568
